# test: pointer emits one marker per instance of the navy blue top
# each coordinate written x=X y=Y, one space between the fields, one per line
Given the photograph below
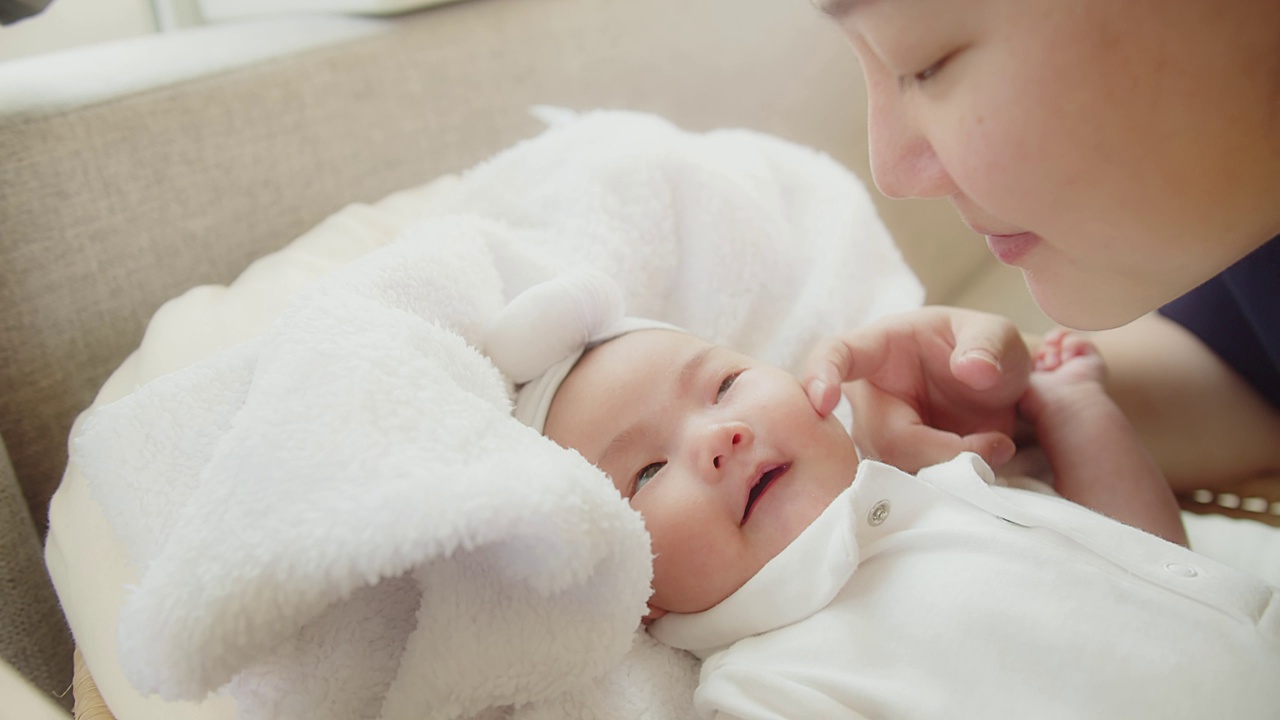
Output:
x=1237 y=314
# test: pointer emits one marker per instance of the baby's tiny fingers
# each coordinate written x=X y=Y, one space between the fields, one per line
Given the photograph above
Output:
x=1056 y=336
x=1074 y=346
x=1048 y=358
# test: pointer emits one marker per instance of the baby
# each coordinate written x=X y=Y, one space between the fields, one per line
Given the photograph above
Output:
x=814 y=584
x=727 y=461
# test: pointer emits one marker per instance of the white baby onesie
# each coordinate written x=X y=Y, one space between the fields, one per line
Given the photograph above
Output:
x=944 y=595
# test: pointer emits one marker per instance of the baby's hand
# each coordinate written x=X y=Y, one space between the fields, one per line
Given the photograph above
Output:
x=1066 y=367
x=1065 y=358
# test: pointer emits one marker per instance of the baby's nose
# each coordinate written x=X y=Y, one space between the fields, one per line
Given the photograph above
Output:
x=724 y=442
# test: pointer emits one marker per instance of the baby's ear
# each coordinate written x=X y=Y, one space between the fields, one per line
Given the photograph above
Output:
x=653 y=614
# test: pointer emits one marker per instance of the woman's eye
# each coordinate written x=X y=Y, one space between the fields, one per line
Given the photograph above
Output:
x=645 y=475
x=726 y=384
x=926 y=74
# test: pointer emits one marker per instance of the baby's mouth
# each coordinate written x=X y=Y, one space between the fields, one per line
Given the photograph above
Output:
x=763 y=483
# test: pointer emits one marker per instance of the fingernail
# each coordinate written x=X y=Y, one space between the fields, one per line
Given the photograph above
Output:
x=1002 y=453
x=983 y=355
x=817 y=389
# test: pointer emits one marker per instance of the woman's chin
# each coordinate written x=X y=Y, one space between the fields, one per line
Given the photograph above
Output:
x=1087 y=307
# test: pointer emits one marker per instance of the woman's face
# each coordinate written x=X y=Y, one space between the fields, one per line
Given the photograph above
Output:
x=1119 y=152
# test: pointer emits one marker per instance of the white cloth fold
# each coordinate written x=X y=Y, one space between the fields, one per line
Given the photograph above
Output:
x=340 y=518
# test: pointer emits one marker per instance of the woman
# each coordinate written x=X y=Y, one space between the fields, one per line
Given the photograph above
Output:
x=1126 y=157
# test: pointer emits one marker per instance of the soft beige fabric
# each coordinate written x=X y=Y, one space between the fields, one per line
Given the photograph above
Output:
x=21 y=700
x=236 y=9
x=49 y=83
x=12 y=11
x=33 y=633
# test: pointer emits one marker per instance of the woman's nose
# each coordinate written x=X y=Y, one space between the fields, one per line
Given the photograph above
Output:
x=719 y=445
x=903 y=161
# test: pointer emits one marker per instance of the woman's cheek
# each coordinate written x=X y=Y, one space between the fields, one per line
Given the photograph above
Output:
x=1000 y=160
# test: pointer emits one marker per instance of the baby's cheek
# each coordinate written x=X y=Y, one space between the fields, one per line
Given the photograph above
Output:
x=688 y=579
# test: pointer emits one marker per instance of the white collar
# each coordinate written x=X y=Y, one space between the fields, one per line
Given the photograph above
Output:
x=797 y=582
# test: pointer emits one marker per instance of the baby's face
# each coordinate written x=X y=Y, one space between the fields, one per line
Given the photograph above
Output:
x=722 y=455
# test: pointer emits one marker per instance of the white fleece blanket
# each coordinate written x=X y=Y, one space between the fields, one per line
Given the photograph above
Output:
x=340 y=518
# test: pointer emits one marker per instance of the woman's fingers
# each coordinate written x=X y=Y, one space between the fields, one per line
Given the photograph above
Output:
x=978 y=368
x=959 y=371
x=995 y=448
x=823 y=395
x=823 y=373
x=916 y=446
x=888 y=428
x=836 y=360
x=989 y=353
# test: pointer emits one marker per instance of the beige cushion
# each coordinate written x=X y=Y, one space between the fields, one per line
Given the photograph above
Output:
x=39 y=86
x=23 y=700
x=33 y=634
x=235 y=9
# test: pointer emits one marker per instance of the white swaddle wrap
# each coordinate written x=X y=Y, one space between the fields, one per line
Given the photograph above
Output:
x=340 y=517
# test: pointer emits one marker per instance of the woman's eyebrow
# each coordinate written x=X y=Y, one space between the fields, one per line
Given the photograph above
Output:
x=837 y=8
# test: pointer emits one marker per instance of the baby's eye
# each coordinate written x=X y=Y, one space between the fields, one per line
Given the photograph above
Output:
x=645 y=475
x=726 y=384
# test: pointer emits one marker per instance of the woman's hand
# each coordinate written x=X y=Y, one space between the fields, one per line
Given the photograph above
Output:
x=926 y=385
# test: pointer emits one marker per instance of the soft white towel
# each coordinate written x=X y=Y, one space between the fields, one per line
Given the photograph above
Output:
x=340 y=519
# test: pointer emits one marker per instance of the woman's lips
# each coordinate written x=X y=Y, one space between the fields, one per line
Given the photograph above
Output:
x=1009 y=249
